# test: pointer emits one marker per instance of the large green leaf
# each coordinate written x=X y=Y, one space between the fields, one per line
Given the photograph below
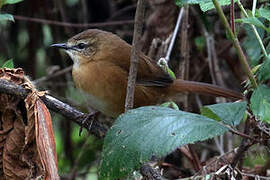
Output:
x=205 y=5
x=152 y=131
x=6 y=17
x=260 y=103
x=228 y=113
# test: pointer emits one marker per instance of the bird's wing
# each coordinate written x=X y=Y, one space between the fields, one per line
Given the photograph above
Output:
x=150 y=74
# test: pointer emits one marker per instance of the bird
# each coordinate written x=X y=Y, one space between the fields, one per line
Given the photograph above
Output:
x=100 y=69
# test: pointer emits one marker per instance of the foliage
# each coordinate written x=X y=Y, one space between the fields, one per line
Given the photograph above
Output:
x=260 y=103
x=228 y=113
x=264 y=13
x=205 y=5
x=200 y=42
x=264 y=69
x=4 y=2
x=254 y=21
x=8 y=64
x=7 y=17
x=251 y=45
x=170 y=104
x=142 y=133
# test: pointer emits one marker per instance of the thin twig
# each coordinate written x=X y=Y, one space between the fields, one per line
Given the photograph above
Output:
x=74 y=25
x=244 y=146
x=54 y=75
x=242 y=134
x=254 y=7
x=232 y=16
x=183 y=67
x=77 y=161
x=121 y=11
x=196 y=162
x=134 y=59
x=167 y=58
x=255 y=176
x=215 y=160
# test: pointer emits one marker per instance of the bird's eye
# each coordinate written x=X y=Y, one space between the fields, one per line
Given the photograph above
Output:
x=81 y=45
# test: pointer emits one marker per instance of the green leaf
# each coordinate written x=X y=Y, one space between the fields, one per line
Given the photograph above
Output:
x=265 y=13
x=6 y=17
x=200 y=42
x=260 y=103
x=205 y=5
x=251 y=45
x=164 y=65
x=170 y=104
x=254 y=21
x=264 y=70
x=186 y=2
x=208 y=4
x=228 y=113
x=151 y=131
x=4 y=2
x=8 y=64
x=170 y=72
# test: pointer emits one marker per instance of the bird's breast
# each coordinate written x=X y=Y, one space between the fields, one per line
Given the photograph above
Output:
x=105 y=85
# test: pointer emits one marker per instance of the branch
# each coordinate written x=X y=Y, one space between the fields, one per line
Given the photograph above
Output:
x=232 y=16
x=70 y=113
x=75 y=25
x=134 y=58
x=54 y=75
x=244 y=146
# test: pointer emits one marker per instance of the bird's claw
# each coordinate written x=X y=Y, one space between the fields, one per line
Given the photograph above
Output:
x=85 y=119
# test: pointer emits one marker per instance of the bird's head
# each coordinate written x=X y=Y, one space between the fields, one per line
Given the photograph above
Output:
x=88 y=45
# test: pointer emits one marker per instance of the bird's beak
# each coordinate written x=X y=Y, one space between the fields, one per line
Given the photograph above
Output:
x=61 y=46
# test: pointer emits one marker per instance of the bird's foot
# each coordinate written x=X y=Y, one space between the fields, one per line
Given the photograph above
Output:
x=87 y=121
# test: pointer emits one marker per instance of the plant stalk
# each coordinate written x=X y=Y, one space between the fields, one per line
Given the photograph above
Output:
x=253 y=28
x=236 y=44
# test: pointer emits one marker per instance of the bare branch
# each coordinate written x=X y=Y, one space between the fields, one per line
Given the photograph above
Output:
x=70 y=113
x=134 y=59
x=75 y=25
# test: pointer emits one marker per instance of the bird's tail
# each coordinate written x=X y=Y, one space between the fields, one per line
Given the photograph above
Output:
x=180 y=86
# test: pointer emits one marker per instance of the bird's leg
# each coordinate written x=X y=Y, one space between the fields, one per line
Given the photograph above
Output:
x=87 y=120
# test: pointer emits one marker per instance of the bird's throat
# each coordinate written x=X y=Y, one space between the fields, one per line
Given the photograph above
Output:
x=74 y=58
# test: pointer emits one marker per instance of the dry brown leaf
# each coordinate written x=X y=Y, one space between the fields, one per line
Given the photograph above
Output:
x=27 y=146
x=44 y=134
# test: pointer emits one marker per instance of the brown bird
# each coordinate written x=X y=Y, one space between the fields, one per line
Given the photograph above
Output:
x=101 y=65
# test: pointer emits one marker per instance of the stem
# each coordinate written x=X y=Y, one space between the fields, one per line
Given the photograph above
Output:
x=232 y=16
x=134 y=58
x=167 y=58
x=254 y=7
x=253 y=28
x=236 y=44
